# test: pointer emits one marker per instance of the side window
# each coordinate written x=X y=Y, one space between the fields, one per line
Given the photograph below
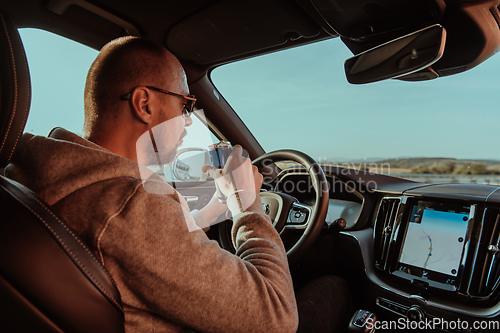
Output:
x=58 y=70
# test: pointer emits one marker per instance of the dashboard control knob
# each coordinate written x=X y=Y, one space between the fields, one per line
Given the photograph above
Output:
x=415 y=314
x=334 y=227
x=340 y=223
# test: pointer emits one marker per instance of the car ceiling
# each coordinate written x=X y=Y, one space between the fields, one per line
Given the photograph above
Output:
x=201 y=33
x=207 y=33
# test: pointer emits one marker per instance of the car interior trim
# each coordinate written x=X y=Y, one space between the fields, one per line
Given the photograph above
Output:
x=365 y=241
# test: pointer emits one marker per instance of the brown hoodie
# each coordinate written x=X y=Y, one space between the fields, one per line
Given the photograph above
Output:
x=168 y=277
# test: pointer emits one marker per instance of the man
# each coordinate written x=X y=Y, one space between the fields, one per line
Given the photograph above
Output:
x=169 y=274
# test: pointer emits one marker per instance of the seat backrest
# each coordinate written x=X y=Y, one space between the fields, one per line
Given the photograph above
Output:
x=15 y=89
x=49 y=280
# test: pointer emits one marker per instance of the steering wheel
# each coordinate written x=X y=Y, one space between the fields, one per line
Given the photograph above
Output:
x=286 y=212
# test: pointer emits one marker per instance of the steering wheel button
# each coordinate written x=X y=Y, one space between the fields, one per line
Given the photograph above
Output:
x=297 y=216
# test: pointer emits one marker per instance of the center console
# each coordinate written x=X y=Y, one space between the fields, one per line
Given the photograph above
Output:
x=443 y=253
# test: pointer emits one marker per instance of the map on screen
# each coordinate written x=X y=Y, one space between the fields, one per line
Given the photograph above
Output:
x=435 y=241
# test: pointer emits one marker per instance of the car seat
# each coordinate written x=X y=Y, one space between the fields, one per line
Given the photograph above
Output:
x=49 y=280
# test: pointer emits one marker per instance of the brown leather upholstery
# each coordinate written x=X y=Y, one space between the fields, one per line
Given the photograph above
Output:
x=49 y=281
x=15 y=88
x=47 y=273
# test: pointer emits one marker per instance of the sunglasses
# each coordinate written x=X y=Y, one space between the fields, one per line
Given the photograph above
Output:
x=190 y=100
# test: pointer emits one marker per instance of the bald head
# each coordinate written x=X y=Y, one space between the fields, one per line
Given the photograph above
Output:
x=122 y=65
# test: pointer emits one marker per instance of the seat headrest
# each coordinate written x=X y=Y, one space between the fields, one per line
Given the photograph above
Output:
x=15 y=88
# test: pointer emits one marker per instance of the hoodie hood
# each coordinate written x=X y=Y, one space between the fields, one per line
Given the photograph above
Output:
x=57 y=165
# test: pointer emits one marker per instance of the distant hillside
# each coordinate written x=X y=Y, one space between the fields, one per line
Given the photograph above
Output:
x=409 y=163
x=439 y=165
x=433 y=165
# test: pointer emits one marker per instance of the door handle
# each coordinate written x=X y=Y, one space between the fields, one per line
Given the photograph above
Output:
x=191 y=199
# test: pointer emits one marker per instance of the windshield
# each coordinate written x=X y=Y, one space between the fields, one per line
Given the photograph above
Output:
x=439 y=130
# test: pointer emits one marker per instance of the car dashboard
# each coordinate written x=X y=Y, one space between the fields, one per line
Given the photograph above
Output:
x=410 y=250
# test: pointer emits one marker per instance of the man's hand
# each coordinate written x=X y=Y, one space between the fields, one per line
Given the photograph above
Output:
x=239 y=179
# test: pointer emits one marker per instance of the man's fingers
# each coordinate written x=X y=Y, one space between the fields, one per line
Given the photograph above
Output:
x=238 y=174
x=211 y=171
x=237 y=150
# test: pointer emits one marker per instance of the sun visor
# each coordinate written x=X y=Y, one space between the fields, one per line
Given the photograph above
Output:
x=228 y=29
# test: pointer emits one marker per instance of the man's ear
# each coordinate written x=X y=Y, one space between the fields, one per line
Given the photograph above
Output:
x=141 y=104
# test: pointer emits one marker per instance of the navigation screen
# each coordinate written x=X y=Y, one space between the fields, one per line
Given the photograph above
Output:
x=435 y=239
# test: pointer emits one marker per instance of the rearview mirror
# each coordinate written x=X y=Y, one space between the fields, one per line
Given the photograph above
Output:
x=398 y=57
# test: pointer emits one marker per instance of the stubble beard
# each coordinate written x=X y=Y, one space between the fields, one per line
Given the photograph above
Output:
x=166 y=157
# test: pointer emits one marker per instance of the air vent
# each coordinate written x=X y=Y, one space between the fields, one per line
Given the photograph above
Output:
x=486 y=273
x=384 y=230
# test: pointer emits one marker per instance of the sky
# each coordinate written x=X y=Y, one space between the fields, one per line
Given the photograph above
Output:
x=58 y=69
x=300 y=99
